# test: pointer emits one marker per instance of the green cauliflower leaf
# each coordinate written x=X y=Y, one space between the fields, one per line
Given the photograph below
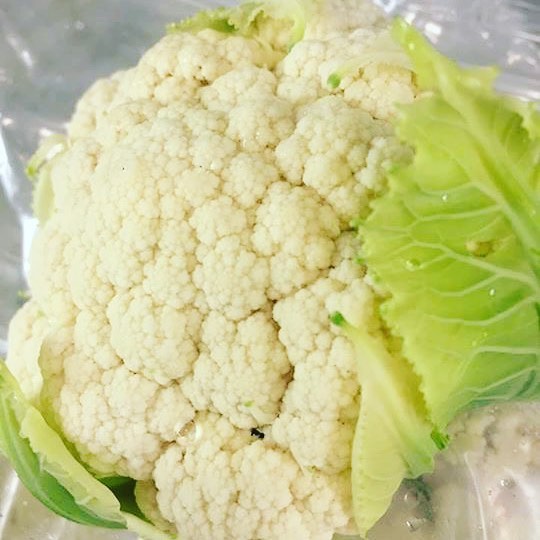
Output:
x=53 y=475
x=248 y=18
x=455 y=245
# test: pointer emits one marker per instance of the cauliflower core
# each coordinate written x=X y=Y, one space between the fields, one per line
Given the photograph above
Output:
x=200 y=236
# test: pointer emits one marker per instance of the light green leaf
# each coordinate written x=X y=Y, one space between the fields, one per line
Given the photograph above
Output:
x=248 y=18
x=50 y=475
x=53 y=475
x=382 y=50
x=455 y=243
x=38 y=170
x=214 y=19
x=393 y=438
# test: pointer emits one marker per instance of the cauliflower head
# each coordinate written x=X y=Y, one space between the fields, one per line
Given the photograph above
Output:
x=198 y=232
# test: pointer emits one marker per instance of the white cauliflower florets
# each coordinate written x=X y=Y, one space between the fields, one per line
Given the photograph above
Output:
x=234 y=487
x=181 y=288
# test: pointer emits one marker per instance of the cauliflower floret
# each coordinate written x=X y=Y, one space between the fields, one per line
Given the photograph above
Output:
x=92 y=335
x=364 y=62
x=247 y=178
x=85 y=280
x=90 y=110
x=380 y=88
x=118 y=413
x=28 y=330
x=261 y=123
x=247 y=359
x=159 y=341
x=70 y=183
x=296 y=231
x=199 y=238
x=119 y=421
x=178 y=65
x=238 y=85
x=167 y=277
x=338 y=17
x=330 y=149
x=232 y=277
x=320 y=405
x=299 y=80
x=123 y=120
x=230 y=485
x=48 y=276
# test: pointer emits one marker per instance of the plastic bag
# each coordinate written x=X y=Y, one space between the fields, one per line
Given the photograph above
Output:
x=487 y=486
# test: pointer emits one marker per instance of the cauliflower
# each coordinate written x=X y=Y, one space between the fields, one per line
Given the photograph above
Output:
x=199 y=317
x=198 y=237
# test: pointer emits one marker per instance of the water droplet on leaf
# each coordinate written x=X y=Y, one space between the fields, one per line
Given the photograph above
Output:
x=410 y=499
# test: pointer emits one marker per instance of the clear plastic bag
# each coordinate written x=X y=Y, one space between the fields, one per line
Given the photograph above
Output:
x=487 y=486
